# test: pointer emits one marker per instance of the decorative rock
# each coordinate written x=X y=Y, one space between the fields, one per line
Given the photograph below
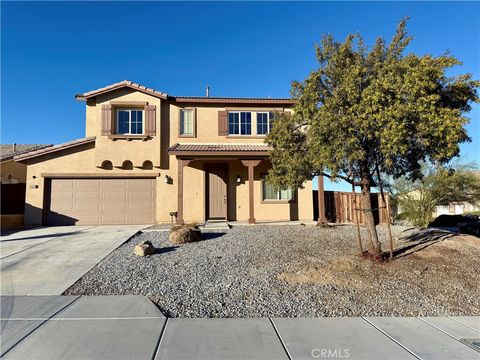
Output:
x=322 y=224
x=236 y=274
x=144 y=248
x=185 y=233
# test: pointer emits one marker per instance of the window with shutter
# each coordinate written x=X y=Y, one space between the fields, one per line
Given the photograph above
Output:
x=106 y=120
x=223 y=123
x=130 y=122
x=150 y=120
x=240 y=123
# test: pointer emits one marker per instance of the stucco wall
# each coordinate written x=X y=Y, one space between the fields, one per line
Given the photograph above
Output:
x=301 y=208
x=117 y=151
x=207 y=125
x=14 y=169
x=79 y=160
x=87 y=159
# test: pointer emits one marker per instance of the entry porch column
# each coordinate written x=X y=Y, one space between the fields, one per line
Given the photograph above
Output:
x=181 y=164
x=321 y=200
x=250 y=164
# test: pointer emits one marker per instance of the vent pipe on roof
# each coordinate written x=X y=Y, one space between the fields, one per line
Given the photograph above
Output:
x=207 y=91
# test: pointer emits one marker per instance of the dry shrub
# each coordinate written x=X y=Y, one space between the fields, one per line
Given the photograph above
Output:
x=186 y=233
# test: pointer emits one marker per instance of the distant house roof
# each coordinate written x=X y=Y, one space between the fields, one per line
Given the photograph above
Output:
x=184 y=99
x=219 y=149
x=9 y=151
x=55 y=148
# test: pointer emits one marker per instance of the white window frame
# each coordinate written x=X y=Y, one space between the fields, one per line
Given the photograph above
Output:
x=130 y=121
x=269 y=119
x=278 y=193
x=193 y=123
x=240 y=123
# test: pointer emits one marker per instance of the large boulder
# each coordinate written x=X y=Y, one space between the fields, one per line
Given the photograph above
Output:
x=185 y=233
x=144 y=248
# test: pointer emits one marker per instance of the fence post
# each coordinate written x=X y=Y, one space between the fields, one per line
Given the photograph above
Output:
x=357 y=225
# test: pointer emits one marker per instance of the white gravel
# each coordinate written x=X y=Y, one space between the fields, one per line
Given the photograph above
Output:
x=280 y=271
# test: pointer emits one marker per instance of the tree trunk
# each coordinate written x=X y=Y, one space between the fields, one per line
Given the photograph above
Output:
x=374 y=246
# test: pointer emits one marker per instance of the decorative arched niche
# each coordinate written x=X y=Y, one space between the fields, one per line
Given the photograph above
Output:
x=147 y=165
x=127 y=165
x=107 y=165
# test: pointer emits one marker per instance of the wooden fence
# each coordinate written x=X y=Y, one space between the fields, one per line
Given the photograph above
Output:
x=340 y=208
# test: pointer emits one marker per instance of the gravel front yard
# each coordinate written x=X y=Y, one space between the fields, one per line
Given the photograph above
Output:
x=294 y=271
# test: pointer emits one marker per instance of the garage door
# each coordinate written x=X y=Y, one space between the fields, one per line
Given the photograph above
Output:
x=101 y=201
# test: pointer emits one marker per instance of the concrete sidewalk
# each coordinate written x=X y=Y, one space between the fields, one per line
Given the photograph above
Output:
x=131 y=327
x=48 y=260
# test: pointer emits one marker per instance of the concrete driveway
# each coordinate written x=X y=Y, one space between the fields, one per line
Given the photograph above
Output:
x=48 y=260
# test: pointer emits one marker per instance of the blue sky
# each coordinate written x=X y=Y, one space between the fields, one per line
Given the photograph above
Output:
x=50 y=51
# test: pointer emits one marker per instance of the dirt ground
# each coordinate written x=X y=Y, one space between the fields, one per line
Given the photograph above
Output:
x=431 y=262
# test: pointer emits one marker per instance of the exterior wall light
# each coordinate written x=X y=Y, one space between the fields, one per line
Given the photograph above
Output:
x=239 y=179
x=166 y=179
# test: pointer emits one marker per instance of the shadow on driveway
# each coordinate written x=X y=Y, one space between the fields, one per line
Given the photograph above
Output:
x=42 y=236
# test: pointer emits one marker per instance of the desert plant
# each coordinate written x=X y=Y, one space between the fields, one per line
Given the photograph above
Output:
x=437 y=186
x=186 y=233
x=368 y=113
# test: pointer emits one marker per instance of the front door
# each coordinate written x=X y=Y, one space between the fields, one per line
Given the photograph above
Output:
x=217 y=191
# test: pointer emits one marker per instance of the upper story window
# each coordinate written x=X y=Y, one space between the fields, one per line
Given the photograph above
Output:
x=240 y=123
x=187 y=122
x=264 y=120
x=130 y=121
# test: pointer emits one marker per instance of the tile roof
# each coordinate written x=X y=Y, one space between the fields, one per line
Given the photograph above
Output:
x=119 y=85
x=233 y=100
x=229 y=98
x=218 y=148
x=8 y=151
x=55 y=148
x=165 y=96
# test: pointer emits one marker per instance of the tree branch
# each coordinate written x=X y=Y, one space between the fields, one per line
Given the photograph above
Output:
x=345 y=178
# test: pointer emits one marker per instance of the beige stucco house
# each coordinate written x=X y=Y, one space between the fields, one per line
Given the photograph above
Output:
x=11 y=171
x=13 y=176
x=147 y=155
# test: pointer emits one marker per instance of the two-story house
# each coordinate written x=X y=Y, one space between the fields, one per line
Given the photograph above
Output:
x=147 y=155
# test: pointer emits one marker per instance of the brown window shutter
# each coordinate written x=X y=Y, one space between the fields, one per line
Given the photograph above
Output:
x=150 y=120
x=107 y=119
x=223 y=123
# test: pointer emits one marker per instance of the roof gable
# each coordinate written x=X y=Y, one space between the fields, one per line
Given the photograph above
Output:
x=120 y=85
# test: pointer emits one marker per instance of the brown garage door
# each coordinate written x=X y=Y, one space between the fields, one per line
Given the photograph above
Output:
x=101 y=201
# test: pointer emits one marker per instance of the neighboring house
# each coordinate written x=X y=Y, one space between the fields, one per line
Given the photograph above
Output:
x=457 y=208
x=12 y=172
x=147 y=154
x=13 y=178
